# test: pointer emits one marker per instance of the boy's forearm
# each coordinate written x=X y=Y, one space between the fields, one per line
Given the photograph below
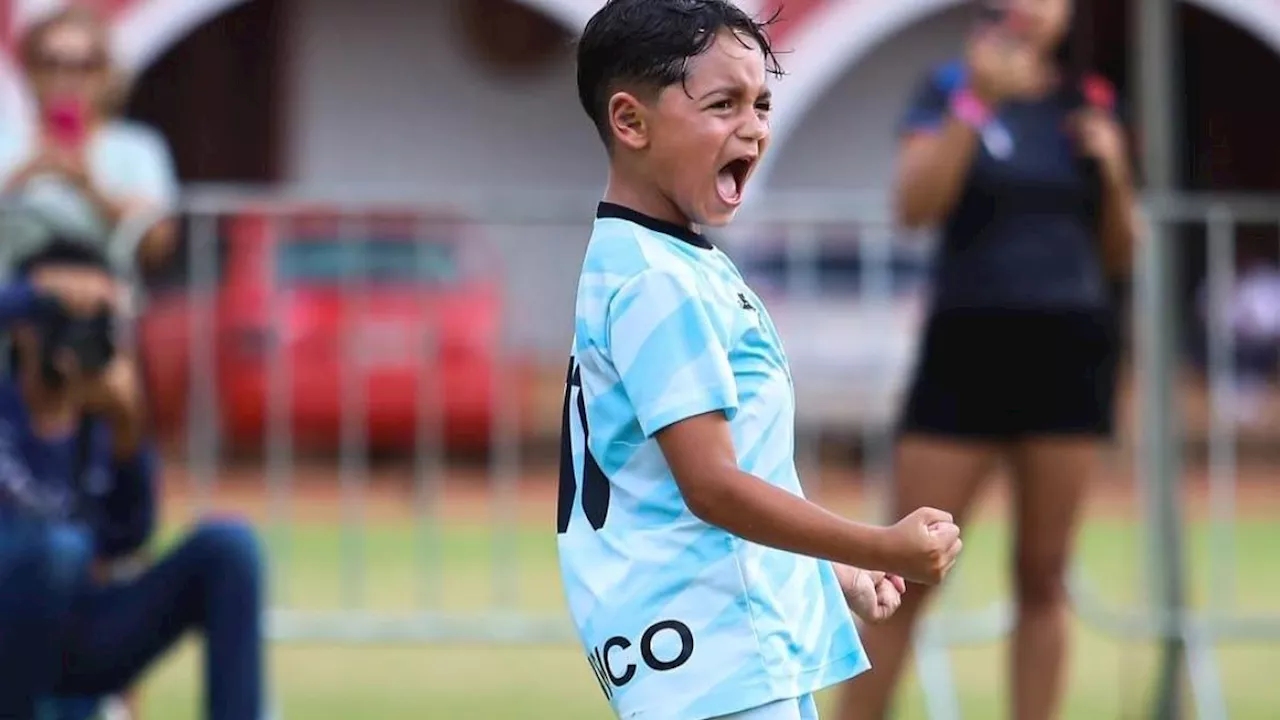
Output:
x=764 y=514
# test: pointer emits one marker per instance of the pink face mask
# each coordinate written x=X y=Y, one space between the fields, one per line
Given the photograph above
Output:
x=66 y=121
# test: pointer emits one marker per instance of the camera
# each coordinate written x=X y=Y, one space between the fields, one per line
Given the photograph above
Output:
x=89 y=340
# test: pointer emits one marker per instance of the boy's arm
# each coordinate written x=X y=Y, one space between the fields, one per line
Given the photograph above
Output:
x=672 y=358
x=700 y=452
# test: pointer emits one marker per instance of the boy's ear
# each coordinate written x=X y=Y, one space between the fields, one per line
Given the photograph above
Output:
x=628 y=121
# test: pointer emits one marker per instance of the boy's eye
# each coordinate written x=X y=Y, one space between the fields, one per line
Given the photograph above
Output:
x=722 y=105
x=764 y=106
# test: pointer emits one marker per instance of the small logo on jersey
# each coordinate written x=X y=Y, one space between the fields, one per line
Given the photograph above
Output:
x=744 y=303
x=614 y=664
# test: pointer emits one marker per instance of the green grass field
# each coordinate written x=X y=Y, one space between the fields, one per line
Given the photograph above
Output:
x=321 y=681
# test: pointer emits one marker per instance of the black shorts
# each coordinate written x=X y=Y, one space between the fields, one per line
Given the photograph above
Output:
x=1004 y=374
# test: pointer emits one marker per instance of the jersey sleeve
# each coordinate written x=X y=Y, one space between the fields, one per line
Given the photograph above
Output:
x=931 y=99
x=668 y=351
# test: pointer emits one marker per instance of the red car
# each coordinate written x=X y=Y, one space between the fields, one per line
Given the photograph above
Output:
x=394 y=318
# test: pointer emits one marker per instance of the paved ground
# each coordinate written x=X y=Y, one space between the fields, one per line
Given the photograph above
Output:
x=316 y=492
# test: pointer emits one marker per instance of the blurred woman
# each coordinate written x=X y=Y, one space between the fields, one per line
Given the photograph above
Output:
x=1016 y=155
x=80 y=171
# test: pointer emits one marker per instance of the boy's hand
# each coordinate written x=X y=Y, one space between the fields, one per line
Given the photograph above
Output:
x=873 y=596
x=923 y=546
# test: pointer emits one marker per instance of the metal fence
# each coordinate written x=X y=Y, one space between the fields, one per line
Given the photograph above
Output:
x=234 y=300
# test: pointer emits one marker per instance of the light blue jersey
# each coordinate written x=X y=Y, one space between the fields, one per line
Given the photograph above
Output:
x=681 y=620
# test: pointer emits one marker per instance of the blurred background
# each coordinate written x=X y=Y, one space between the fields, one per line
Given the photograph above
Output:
x=360 y=337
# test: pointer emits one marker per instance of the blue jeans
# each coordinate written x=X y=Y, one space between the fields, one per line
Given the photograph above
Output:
x=61 y=635
x=71 y=709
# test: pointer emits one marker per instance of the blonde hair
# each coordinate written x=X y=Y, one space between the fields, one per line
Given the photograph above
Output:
x=116 y=92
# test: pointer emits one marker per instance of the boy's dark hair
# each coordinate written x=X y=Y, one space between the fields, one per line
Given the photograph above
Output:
x=62 y=251
x=647 y=45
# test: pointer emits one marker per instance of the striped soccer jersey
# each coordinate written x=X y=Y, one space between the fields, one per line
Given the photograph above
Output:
x=681 y=620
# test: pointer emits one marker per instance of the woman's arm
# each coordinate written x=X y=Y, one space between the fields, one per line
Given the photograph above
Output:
x=932 y=167
x=1119 y=226
x=1102 y=139
x=146 y=199
x=112 y=210
x=154 y=195
x=936 y=150
x=942 y=127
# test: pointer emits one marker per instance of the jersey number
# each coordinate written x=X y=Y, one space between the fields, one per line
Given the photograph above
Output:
x=595 y=486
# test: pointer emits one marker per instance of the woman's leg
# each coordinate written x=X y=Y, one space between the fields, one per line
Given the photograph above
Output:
x=212 y=581
x=945 y=474
x=1052 y=476
x=42 y=568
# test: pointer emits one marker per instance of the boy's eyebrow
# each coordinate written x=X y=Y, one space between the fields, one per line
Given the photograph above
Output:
x=721 y=90
x=735 y=90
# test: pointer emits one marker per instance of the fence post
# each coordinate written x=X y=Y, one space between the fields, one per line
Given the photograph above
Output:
x=1156 y=67
x=202 y=411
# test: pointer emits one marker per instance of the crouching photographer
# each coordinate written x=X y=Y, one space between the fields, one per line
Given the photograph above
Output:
x=77 y=489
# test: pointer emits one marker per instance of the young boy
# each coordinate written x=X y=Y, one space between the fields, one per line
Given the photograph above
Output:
x=702 y=583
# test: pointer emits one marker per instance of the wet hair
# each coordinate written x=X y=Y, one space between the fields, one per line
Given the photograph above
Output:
x=31 y=46
x=645 y=46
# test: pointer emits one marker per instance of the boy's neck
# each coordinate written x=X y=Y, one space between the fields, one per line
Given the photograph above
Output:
x=626 y=190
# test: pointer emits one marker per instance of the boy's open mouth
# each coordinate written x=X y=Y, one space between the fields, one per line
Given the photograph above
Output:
x=732 y=178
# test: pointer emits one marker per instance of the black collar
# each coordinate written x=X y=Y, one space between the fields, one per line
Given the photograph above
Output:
x=683 y=234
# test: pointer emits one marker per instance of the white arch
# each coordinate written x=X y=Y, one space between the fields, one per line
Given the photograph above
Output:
x=828 y=46
x=148 y=28
x=1258 y=18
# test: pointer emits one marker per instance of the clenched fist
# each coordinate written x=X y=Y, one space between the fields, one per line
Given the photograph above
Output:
x=872 y=595
x=923 y=546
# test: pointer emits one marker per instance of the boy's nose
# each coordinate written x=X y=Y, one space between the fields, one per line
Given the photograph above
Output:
x=755 y=129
